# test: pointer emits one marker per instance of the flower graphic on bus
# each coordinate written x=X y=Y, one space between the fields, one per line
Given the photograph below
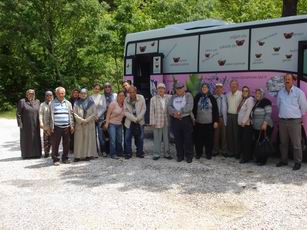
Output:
x=261 y=43
x=288 y=35
x=221 y=62
x=276 y=49
x=258 y=55
x=240 y=42
x=288 y=56
x=176 y=59
x=142 y=48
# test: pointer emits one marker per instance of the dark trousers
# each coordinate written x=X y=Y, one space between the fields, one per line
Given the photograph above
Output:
x=47 y=142
x=232 y=134
x=183 y=133
x=58 y=134
x=246 y=142
x=203 y=136
x=290 y=129
x=269 y=130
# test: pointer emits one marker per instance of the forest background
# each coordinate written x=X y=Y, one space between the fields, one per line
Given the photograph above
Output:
x=74 y=43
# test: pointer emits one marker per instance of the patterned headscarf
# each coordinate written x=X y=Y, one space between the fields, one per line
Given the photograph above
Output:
x=204 y=99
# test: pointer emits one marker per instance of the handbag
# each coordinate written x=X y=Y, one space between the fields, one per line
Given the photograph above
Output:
x=263 y=148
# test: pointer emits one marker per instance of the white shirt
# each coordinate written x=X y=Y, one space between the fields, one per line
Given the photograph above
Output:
x=179 y=102
x=234 y=100
x=292 y=104
x=162 y=100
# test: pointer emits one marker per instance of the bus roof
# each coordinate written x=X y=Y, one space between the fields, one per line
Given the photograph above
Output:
x=202 y=26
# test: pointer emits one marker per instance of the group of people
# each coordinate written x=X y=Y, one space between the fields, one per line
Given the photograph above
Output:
x=105 y=124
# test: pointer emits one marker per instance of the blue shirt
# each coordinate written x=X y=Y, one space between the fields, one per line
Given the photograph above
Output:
x=61 y=113
x=292 y=104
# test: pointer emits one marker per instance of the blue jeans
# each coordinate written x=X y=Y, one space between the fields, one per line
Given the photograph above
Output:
x=99 y=131
x=115 y=134
x=139 y=142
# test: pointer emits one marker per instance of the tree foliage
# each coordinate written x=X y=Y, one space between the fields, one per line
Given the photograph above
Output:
x=47 y=43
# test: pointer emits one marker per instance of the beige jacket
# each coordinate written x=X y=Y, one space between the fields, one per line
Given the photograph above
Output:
x=140 y=107
x=44 y=110
x=159 y=116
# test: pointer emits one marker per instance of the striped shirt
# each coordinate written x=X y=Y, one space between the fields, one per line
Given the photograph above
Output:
x=61 y=114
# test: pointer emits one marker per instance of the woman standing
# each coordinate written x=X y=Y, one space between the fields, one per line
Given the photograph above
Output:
x=114 y=125
x=262 y=121
x=28 y=122
x=206 y=115
x=85 y=133
x=73 y=98
x=245 y=130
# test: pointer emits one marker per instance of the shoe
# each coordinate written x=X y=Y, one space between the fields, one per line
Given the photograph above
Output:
x=104 y=154
x=296 y=166
x=65 y=161
x=87 y=159
x=46 y=155
x=156 y=158
x=115 y=157
x=56 y=163
x=189 y=161
x=179 y=159
x=260 y=163
x=224 y=154
x=243 y=161
x=127 y=157
x=237 y=157
x=76 y=159
x=280 y=164
x=209 y=157
x=140 y=156
x=215 y=154
x=197 y=157
x=168 y=157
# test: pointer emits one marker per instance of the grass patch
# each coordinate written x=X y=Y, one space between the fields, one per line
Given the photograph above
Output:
x=8 y=114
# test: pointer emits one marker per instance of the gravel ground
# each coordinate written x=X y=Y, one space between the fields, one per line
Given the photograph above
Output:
x=146 y=194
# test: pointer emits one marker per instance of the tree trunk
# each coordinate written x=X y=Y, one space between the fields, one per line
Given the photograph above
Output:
x=289 y=8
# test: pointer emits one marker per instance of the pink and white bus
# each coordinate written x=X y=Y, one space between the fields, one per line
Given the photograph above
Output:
x=257 y=54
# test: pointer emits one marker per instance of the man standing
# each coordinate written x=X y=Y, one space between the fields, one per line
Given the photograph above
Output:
x=61 y=124
x=180 y=108
x=234 y=98
x=126 y=85
x=220 y=145
x=292 y=105
x=159 y=120
x=134 y=108
x=44 y=110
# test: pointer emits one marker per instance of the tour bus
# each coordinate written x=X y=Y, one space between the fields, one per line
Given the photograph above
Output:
x=256 y=54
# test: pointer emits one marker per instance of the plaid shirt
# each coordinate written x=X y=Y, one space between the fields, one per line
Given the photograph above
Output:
x=158 y=115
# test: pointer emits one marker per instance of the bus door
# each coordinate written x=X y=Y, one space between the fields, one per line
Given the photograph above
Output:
x=302 y=76
x=144 y=67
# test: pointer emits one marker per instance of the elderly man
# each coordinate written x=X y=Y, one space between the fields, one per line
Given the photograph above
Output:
x=220 y=145
x=61 y=124
x=292 y=105
x=159 y=120
x=134 y=109
x=43 y=115
x=234 y=98
x=180 y=108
